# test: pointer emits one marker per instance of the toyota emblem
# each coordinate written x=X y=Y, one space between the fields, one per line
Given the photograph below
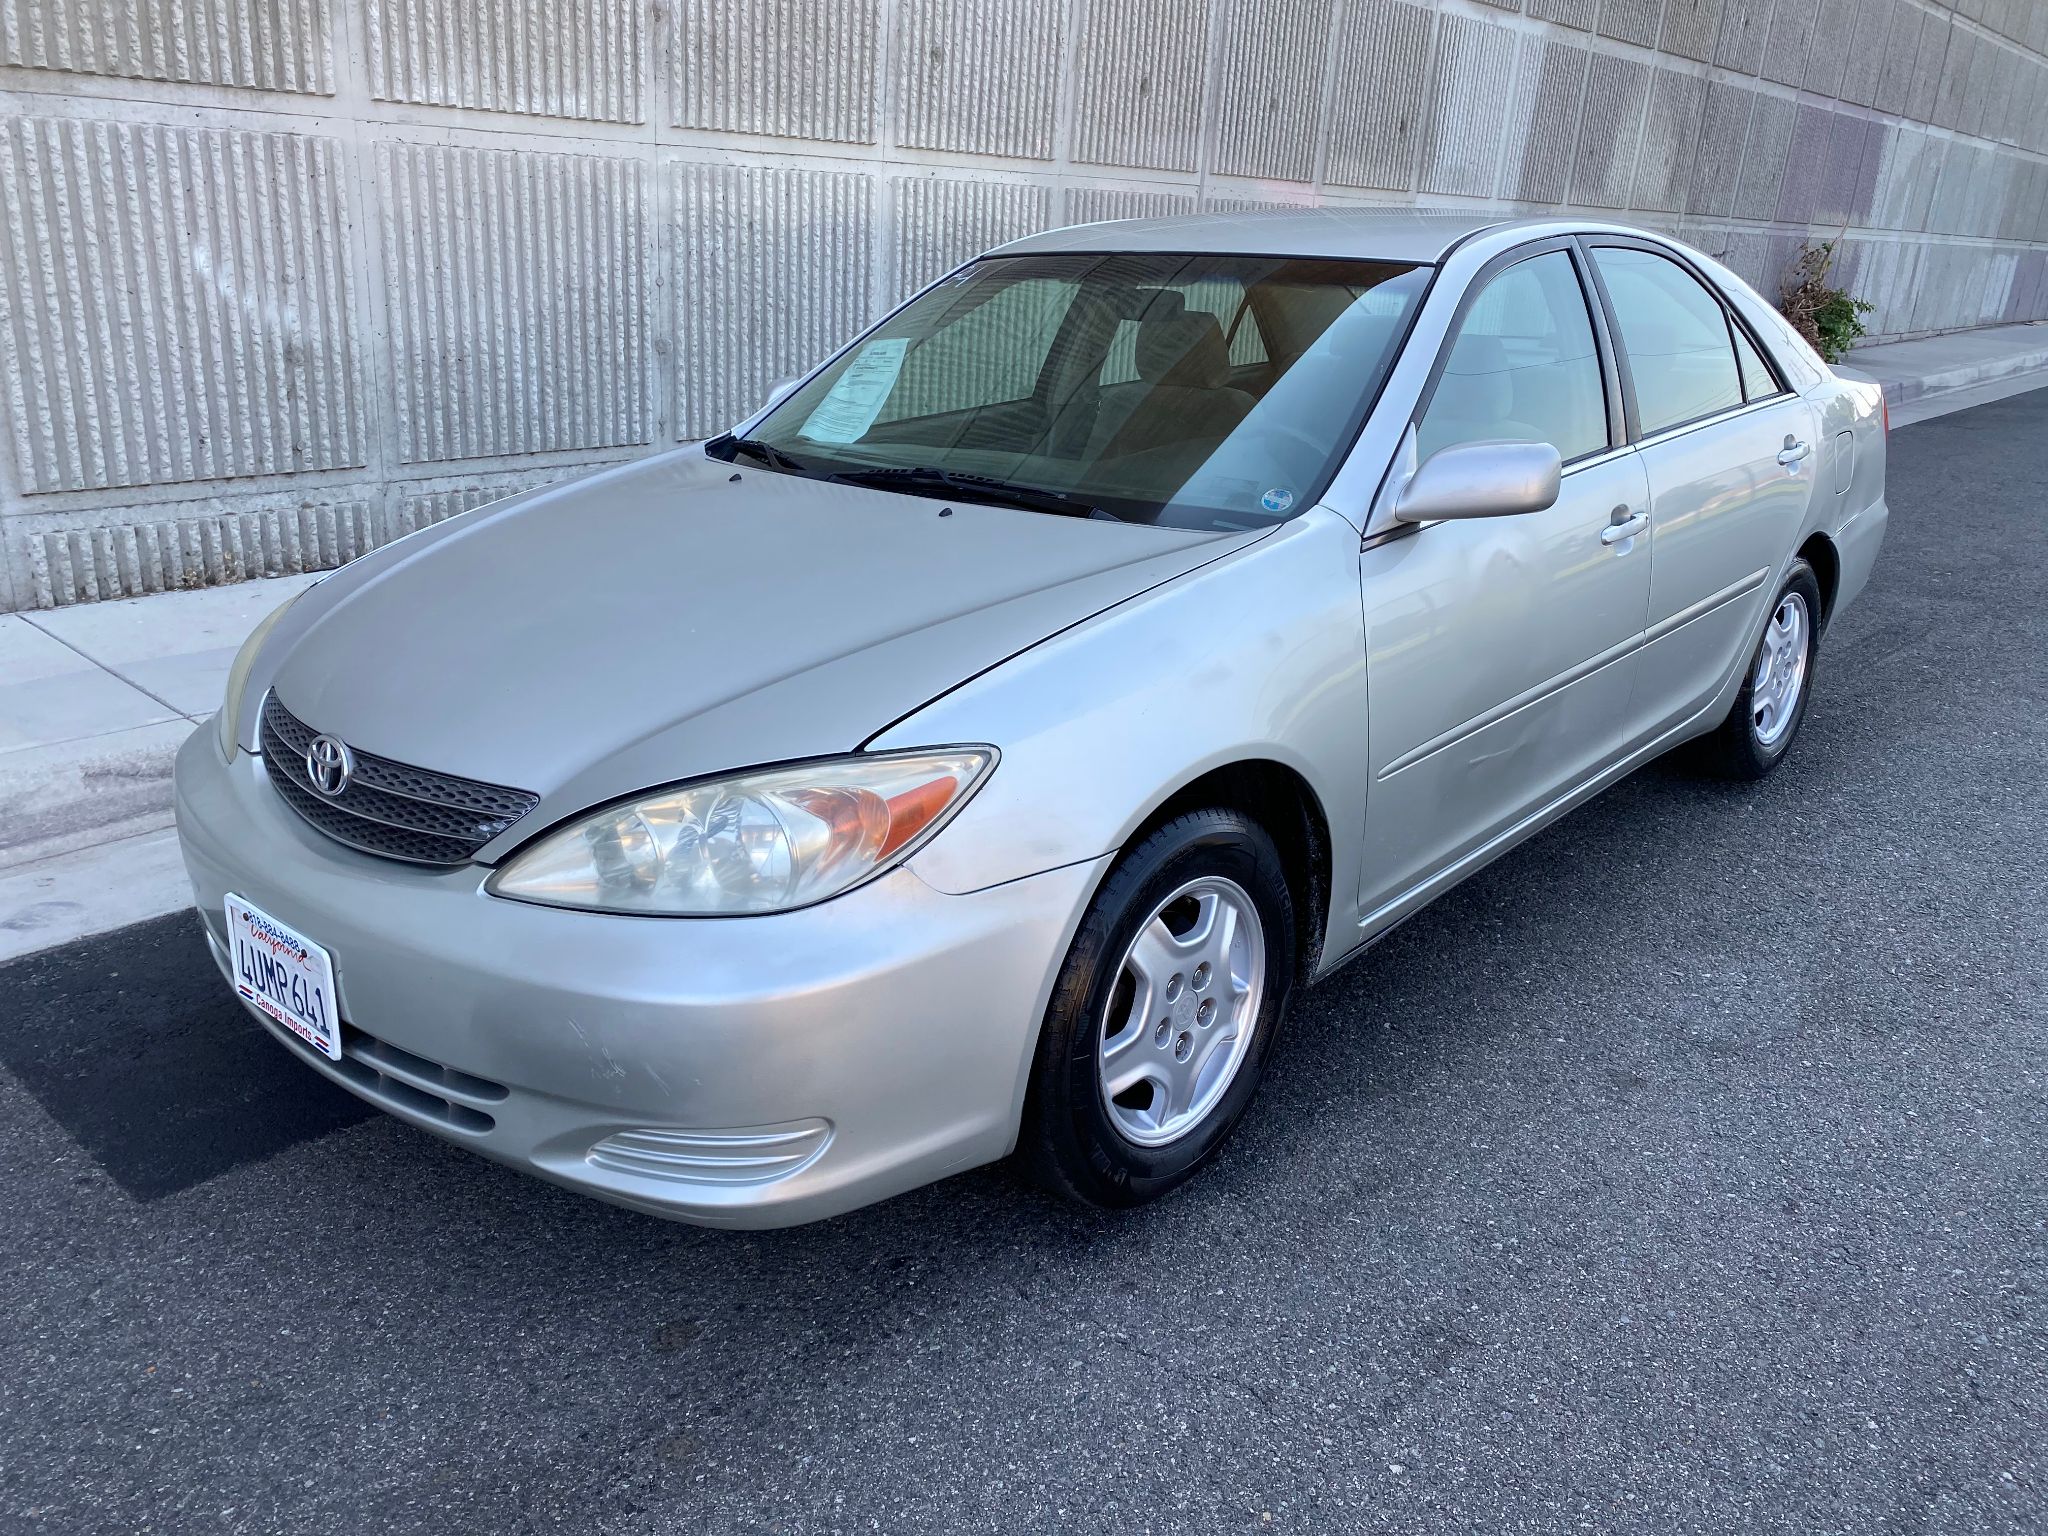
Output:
x=329 y=765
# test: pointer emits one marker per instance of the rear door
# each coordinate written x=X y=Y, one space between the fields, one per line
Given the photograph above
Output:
x=1730 y=455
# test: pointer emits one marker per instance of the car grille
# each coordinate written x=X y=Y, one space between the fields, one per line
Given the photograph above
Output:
x=391 y=809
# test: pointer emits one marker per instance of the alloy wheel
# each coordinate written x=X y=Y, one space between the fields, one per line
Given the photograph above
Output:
x=1180 y=1018
x=1780 y=673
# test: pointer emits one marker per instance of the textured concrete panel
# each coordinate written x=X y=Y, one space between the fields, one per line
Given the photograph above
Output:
x=980 y=75
x=1947 y=214
x=1567 y=13
x=1632 y=21
x=1841 y=161
x=1834 y=24
x=1224 y=202
x=1930 y=62
x=1609 y=126
x=1270 y=108
x=1743 y=252
x=1671 y=134
x=1805 y=164
x=1928 y=180
x=941 y=222
x=420 y=506
x=1902 y=48
x=1550 y=82
x=1886 y=273
x=793 y=69
x=1376 y=113
x=546 y=58
x=1744 y=28
x=1475 y=65
x=1985 y=98
x=140 y=550
x=771 y=276
x=1898 y=162
x=264 y=45
x=1690 y=28
x=1957 y=60
x=1763 y=157
x=1787 y=40
x=517 y=296
x=1869 y=46
x=1139 y=67
x=176 y=302
x=1724 y=125
x=1090 y=205
x=2030 y=287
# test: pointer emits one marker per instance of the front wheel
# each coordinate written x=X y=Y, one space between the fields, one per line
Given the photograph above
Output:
x=1164 y=1011
x=1759 y=729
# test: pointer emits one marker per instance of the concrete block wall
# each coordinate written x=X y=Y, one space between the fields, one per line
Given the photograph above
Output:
x=283 y=279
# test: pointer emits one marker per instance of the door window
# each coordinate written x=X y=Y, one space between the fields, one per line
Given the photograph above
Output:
x=1758 y=382
x=1675 y=335
x=1522 y=366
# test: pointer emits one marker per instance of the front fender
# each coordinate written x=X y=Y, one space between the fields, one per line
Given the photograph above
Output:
x=1258 y=656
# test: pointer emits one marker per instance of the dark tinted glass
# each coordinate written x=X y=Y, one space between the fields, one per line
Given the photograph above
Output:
x=1198 y=391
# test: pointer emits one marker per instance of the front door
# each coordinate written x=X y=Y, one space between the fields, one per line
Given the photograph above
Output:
x=1501 y=652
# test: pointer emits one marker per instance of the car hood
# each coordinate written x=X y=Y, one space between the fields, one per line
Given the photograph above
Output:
x=680 y=616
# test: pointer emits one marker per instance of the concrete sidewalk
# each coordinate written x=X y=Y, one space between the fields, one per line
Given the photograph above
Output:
x=1939 y=374
x=96 y=699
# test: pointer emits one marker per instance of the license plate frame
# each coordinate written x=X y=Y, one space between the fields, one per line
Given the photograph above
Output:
x=283 y=974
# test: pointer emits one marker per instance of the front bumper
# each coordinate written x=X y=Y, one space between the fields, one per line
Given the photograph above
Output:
x=751 y=1072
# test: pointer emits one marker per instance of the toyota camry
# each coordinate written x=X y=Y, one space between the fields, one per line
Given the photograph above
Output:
x=970 y=754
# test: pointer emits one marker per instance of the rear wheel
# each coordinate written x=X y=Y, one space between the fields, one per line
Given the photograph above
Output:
x=1759 y=729
x=1164 y=1011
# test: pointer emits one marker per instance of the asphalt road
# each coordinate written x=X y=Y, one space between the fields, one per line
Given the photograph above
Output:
x=1683 y=1172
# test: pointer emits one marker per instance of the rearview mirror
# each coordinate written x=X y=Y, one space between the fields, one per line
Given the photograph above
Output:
x=1492 y=479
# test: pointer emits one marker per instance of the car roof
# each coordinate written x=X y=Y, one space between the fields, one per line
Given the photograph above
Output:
x=1371 y=234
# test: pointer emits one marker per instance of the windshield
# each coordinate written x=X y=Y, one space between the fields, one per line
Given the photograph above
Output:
x=1190 y=391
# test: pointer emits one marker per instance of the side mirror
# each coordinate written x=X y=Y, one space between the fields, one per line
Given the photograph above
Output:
x=1492 y=479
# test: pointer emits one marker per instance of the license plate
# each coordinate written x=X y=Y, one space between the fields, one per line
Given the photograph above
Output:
x=286 y=974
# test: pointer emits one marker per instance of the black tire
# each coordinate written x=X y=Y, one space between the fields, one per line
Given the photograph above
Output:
x=1734 y=749
x=1069 y=1143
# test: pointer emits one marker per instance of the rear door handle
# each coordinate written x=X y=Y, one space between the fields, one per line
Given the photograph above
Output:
x=1793 y=451
x=1627 y=526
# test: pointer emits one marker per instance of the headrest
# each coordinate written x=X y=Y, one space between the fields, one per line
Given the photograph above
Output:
x=1476 y=377
x=1184 y=349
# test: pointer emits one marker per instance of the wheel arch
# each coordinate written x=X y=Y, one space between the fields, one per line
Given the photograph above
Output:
x=1283 y=802
x=1819 y=552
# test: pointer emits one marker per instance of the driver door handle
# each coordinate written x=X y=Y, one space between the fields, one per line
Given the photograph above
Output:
x=1626 y=526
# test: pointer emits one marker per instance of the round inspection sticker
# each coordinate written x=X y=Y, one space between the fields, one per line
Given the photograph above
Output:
x=1278 y=499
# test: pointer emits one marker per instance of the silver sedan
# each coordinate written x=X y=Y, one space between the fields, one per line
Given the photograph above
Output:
x=971 y=753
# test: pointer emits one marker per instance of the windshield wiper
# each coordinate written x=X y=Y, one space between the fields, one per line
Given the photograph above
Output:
x=728 y=445
x=926 y=477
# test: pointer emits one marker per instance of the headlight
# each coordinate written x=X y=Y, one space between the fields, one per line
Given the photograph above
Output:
x=756 y=842
x=230 y=714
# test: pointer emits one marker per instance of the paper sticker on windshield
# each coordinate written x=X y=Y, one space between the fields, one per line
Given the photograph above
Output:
x=853 y=403
x=1278 y=499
